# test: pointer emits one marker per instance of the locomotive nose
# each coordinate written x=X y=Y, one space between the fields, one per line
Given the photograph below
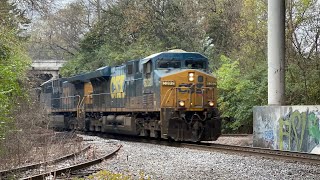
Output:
x=189 y=89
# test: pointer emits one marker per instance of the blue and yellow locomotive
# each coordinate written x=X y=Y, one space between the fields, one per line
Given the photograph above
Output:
x=168 y=95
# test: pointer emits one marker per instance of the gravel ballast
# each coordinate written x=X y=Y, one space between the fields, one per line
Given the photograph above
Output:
x=164 y=162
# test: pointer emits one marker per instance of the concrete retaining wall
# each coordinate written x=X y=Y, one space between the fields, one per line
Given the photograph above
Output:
x=292 y=128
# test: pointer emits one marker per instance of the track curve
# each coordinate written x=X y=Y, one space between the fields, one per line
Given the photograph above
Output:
x=37 y=165
x=74 y=167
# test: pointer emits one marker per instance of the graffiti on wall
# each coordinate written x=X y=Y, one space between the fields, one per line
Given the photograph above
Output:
x=299 y=131
x=269 y=138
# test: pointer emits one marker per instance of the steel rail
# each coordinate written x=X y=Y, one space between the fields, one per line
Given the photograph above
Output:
x=235 y=135
x=247 y=150
x=74 y=167
x=38 y=165
x=287 y=155
x=262 y=152
x=252 y=151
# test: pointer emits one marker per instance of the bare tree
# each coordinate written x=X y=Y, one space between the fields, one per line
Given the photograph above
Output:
x=303 y=46
x=57 y=34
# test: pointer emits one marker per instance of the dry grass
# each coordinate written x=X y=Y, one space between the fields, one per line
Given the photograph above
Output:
x=29 y=140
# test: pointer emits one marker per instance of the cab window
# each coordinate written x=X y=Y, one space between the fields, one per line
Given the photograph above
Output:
x=195 y=64
x=136 y=66
x=147 y=69
x=168 y=64
x=129 y=69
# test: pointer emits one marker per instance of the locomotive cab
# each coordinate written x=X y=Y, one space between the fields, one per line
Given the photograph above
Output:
x=187 y=95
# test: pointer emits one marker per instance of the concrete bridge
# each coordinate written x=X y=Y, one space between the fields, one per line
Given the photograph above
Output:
x=48 y=67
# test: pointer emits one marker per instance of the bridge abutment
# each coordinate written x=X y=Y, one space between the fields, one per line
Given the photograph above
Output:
x=48 y=68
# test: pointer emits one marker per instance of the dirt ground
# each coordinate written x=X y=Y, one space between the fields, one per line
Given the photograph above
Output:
x=235 y=140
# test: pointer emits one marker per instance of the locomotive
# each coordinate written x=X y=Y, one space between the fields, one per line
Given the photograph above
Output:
x=168 y=95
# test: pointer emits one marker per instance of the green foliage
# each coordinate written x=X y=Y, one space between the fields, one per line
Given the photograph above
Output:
x=221 y=29
x=130 y=30
x=242 y=76
x=238 y=93
x=107 y=175
x=104 y=174
x=13 y=63
x=106 y=55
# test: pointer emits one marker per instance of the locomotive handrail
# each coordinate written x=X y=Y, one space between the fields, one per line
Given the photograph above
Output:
x=65 y=97
x=212 y=95
x=171 y=89
x=190 y=98
x=99 y=94
x=115 y=99
x=79 y=104
x=165 y=95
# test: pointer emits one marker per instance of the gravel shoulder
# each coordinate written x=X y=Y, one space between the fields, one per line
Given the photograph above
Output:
x=163 y=162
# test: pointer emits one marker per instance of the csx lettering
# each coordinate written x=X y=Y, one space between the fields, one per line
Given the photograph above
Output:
x=117 y=87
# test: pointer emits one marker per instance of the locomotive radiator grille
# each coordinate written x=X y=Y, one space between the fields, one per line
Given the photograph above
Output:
x=148 y=101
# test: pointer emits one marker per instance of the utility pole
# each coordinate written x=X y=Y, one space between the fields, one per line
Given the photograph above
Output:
x=276 y=52
x=99 y=10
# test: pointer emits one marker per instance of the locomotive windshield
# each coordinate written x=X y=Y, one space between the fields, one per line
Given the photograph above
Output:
x=162 y=63
x=184 y=64
x=195 y=64
x=181 y=61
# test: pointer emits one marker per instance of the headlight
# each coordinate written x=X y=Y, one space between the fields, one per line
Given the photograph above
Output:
x=211 y=103
x=181 y=103
x=191 y=76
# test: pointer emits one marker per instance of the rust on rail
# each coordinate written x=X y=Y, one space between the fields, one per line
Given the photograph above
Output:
x=74 y=167
x=37 y=165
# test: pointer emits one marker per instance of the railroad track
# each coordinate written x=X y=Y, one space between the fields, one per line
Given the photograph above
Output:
x=246 y=150
x=4 y=173
x=69 y=169
x=274 y=154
